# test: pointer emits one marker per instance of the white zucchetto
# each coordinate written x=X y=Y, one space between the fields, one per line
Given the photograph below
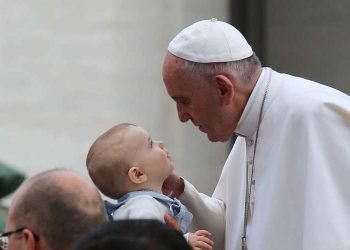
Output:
x=210 y=41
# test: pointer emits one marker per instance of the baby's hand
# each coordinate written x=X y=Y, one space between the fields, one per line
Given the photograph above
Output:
x=199 y=240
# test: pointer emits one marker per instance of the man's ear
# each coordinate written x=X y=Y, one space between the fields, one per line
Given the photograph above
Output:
x=225 y=88
x=137 y=175
x=29 y=239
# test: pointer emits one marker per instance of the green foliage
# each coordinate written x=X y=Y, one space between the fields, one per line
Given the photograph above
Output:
x=10 y=179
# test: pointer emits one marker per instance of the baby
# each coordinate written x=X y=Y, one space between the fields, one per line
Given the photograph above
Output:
x=127 y=165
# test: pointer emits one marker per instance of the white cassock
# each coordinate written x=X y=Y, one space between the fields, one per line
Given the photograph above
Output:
x=301 y=196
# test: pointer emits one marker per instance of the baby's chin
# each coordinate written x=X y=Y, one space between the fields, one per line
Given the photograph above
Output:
x=172 y=168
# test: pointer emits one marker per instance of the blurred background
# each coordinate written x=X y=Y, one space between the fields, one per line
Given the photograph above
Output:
x=69 y=70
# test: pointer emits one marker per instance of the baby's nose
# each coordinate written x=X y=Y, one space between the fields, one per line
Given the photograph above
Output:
x=161 y=145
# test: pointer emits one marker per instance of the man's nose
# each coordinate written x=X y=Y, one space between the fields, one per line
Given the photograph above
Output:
x=183 y=115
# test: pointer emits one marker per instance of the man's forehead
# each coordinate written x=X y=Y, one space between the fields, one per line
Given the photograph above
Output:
x=173 y=67
x=183 y=87
x=180 y=84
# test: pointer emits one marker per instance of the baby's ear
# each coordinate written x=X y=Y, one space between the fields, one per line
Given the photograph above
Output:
x=137 y=175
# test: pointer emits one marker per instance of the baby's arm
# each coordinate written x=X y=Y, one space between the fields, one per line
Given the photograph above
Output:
x=200 y=240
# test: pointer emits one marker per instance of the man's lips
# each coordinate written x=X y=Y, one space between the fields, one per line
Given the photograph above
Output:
x=201 y=129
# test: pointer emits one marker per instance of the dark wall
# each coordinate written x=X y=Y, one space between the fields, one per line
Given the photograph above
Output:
x=309 y=38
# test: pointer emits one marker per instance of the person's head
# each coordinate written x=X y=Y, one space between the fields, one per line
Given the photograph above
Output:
x=210 y=71
x=54 y=209
x=125 y=159
x=140 y=234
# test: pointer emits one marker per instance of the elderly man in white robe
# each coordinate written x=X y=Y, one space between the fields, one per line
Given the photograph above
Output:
x=286 y=182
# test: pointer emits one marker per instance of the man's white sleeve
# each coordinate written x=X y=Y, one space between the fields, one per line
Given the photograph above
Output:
x=208 y=213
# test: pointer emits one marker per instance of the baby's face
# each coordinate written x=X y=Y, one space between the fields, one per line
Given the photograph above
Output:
x=151 y=155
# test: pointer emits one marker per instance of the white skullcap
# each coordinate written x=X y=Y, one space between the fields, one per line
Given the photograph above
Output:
x=210 y=41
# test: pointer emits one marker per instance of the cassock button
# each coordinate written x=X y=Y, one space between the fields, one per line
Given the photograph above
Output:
x=250 y=161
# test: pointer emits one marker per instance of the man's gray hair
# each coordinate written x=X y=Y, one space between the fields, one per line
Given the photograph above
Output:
x=244 y=69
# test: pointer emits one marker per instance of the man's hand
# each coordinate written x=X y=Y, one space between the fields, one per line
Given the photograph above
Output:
x=170 y=221
x=199 y=240
x=173 y=186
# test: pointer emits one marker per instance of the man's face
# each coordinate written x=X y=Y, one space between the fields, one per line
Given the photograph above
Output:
x=16 y=240
x=197 y=99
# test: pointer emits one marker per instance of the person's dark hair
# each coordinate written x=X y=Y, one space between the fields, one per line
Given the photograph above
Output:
x=244 y=68
x=63 y=215
x=136 y=234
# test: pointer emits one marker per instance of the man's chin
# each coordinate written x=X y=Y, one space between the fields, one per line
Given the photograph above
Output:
x=213 y=138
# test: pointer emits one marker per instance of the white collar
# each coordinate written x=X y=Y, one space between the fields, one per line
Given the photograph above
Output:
x=248 y=123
